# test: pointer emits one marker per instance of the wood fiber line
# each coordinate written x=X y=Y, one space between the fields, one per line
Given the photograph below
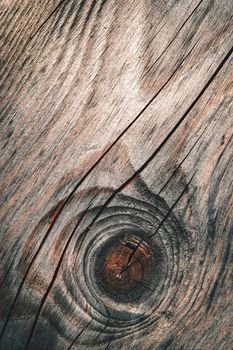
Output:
x=116 y=206
x=17 y=27
x=135 y=175
x=125 y=184
x=70 y=195
x=169 y=44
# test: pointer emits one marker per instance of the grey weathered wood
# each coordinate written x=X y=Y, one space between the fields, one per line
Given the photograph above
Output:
x=115 y=113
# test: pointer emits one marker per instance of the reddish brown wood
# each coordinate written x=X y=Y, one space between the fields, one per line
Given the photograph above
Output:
x=116 y=175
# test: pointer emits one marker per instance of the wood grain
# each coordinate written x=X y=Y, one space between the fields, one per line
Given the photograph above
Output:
x=116 y=174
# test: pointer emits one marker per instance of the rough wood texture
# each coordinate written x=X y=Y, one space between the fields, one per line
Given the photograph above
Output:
x=116 y=174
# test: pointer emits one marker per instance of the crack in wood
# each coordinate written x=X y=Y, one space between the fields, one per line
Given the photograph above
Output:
x=62 y=284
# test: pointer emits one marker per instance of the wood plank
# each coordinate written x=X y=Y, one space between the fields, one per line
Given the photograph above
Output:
x=117 y=139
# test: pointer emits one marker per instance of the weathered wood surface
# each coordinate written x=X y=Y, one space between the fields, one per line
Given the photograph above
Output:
x=116 y=174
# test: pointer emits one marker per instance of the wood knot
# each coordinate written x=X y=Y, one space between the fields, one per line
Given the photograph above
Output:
x=126 y=268
x=126 y=265
x=119 y=274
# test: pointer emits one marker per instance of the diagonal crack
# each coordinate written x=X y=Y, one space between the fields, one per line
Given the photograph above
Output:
x=117 y=190
x=182 y=161
x=136 y=174
x=45 y=21
x=162 y=53
x=173 y=206
x=55 y=274
x=78 y=335
x=63 y=204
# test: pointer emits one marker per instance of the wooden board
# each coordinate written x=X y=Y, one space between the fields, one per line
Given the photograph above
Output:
x=116 y=174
